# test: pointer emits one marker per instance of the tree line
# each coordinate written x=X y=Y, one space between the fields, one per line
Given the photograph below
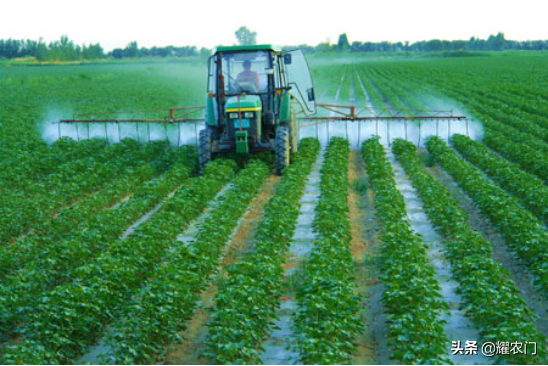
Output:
x=492 y=43
x=66 y=50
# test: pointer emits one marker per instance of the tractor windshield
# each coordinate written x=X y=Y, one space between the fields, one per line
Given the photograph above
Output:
x=298 y=77
x=245 y=72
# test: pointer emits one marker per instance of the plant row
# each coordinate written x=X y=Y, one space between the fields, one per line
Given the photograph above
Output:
x=374 y=97
x=36 y=265
x=530 y=190
x=412 y=294
x=491 y=298
x=529 y=158
x=522 y=231
x=489 y=109
x=65 y=320
x=518 y=128
x=157 y=313
x=23 y=168
x=78 y=217
x=247 y=300
x=76 y=180
x=326 y=320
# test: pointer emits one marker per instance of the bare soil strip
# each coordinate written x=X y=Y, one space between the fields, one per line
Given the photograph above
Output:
x=363 y=229
x=458 y=326
x=189 y=351
x=516 y=267
x=277 y=346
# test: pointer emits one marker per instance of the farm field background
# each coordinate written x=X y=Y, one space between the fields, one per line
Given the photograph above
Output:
x=367 y=250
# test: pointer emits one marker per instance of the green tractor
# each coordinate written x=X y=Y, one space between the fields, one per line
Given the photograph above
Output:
x=252 y=96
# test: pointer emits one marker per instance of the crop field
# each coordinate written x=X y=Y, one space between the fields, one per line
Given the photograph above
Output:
x=379 y=244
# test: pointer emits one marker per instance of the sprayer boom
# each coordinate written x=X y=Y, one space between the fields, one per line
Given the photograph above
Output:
x=347 y=113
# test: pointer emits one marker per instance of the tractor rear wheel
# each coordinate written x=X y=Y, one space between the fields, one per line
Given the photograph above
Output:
x=283 y=149
x=205 y=148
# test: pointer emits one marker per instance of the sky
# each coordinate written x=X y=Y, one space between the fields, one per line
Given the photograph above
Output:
x=208 y=23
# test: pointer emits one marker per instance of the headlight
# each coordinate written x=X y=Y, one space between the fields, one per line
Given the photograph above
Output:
x=248 y=114
x=233 y=115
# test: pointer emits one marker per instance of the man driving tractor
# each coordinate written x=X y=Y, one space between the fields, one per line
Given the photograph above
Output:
x=248 y=76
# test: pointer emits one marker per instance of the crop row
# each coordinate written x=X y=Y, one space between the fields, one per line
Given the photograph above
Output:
x=70 y=317
x=412 y=295
x=374 y=97
x=34 y=266
x=326 y=321
x=531 y=191
x=394 y=94
x=527 y=151
x=492 y=300
x=78 y=216
x=23 y=168
x=247 y=300
x=529 y=158
x=482 y=104
x=522 y=231
x=76 y=180
x=160 y=310
x=518 y=139
x=518 y=129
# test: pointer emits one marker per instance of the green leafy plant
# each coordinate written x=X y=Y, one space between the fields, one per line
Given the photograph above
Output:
x=326 y=321
x=492 y=301
x=73 y=315
x=247 y=301
x=412 y=295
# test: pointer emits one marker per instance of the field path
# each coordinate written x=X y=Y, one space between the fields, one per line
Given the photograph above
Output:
x=458 y=326
x=372 y=343
x=277 y=345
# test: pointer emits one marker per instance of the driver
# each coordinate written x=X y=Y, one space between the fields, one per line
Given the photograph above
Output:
x=248 y=76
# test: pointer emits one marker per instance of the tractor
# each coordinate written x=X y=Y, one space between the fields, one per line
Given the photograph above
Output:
x=253 y=96
x=253 y=93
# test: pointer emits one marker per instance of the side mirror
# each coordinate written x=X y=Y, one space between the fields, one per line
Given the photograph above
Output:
x=310 y=93
x=287 y=59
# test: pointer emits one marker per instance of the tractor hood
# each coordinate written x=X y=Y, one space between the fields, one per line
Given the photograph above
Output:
x=247 y=103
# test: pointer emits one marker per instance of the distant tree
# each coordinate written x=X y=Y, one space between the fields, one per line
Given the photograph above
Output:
x=433 y=45
x=246 y=37
x=131 y=50
x=342 y=44
x=323 y=47
x=356 y=46
x=117 y=53
x=496 y=43
x=42 y=52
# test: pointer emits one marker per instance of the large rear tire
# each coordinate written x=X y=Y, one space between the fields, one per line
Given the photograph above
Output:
x=205 y=148
x=283 y=149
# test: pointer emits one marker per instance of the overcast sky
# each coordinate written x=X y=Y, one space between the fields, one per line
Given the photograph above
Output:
x=208 y=23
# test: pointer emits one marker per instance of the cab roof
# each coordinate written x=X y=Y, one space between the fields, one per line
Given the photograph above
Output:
x=255 y=47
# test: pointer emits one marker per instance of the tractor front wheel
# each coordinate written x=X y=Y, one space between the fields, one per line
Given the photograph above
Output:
x=283 y=149
x=205 y=148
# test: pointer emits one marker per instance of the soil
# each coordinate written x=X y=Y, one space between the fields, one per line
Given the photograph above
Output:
x=277 y=345
x=365 y=352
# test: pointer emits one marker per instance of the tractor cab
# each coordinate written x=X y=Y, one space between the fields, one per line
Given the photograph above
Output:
x=252 y=96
